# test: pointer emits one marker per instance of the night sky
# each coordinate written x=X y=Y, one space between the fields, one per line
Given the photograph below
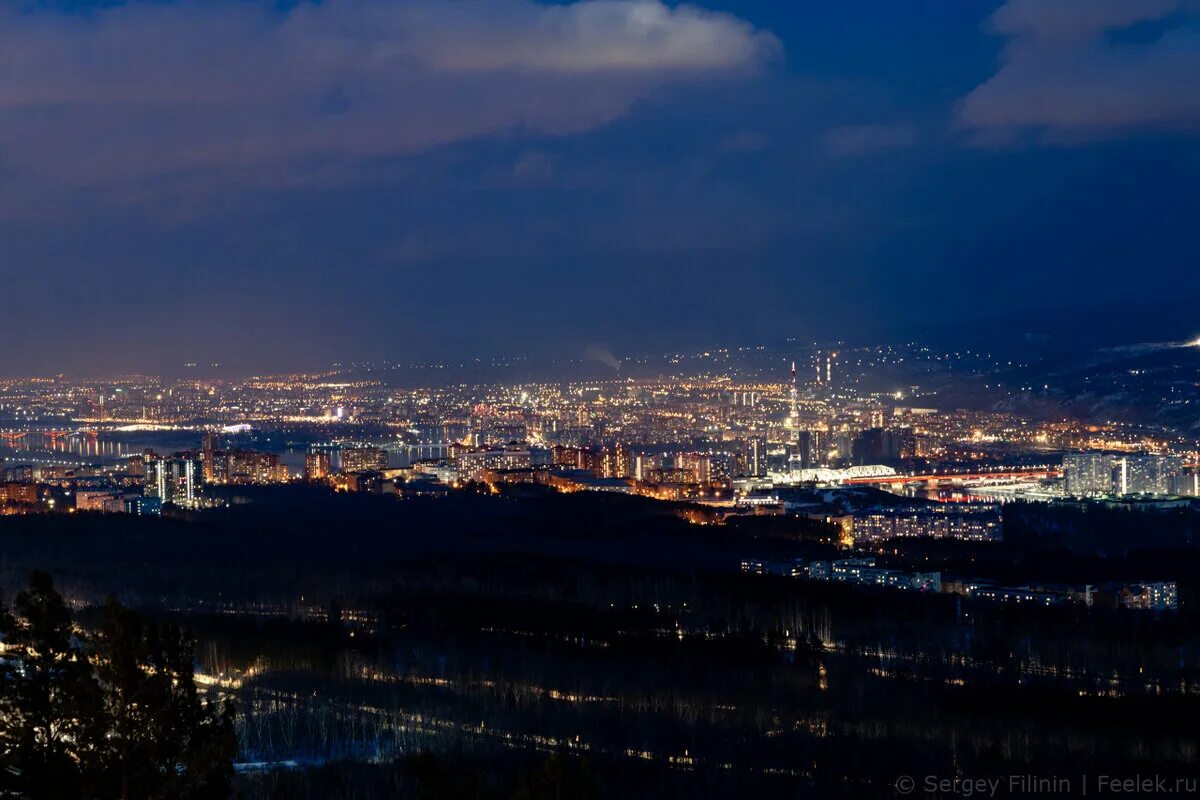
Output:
x=274 y=186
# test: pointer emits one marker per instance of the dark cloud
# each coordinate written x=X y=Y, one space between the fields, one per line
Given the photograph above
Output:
x=160 y=90
x=286 y=184
x=1068 y=74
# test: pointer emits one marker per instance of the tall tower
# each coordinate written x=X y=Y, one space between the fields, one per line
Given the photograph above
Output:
x=794 y=416
x=208 y=455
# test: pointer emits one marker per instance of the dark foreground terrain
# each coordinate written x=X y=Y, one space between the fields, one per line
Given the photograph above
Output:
x=545 y=645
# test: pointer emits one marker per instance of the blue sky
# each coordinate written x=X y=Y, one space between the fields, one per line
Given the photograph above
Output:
x=286 y=185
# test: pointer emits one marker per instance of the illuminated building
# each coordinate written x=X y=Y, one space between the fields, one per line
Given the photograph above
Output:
x=365 y=481
x=1147 y=474
x=695 y=464
x=19 y=473
x=363 y=459
x=55 y=473
x=252 y=466
x=102 y=501
x=623 y=462
x=978 y=522
x=1020 y=595
x=472 y=466
x=748 y=398
x=20 y=493
x=717 y=468
x=616 y=463
x=643 y=463
x=810 y=449
x=208 y=456
x=1090 y=474
x=317 y=466
x=756 y=456
x=1186 y=483
x=456 y=449
x=864 y=571
x=670 y=475
x=569 y=457
x=140 y=506
x=136 y=466
x=173 y=480
x=537 y=475
x=1161 y=596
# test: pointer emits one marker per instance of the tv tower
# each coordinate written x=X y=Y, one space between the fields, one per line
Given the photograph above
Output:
x=794 y=418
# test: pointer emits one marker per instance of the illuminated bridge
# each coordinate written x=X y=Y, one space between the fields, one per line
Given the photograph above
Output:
x=958 y=477
x=53 y=434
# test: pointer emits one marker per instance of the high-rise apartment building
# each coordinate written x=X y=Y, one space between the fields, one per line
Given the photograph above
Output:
x=1089 y=474
x=173 y=480
x=317 y=466
x=756 y=456
x=364 y=459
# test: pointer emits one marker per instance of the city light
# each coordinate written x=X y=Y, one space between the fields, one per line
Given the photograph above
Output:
x=586 y=399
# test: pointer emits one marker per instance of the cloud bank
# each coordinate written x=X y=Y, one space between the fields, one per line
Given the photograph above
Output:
x=1089 y=69
x=154 y=90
